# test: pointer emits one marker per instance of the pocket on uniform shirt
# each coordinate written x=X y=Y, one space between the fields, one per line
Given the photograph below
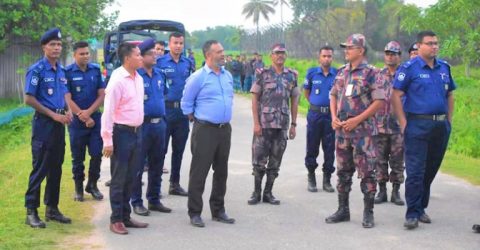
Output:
x=268 y=114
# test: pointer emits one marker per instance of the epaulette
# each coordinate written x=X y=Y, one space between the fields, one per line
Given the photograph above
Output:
x=69 y=67
x=408 y=63
x=95 y=65
x=37 y=67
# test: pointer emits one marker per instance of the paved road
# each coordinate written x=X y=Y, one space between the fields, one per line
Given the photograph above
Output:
x=298 y=223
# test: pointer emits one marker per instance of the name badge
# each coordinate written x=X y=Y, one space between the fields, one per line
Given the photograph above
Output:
x=79 y=88
x=50 y=91
x=446 y=86
x=145 y=97
x=317 y=91
x=349 y=90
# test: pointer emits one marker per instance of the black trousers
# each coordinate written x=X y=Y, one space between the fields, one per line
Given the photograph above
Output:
x=210 y=148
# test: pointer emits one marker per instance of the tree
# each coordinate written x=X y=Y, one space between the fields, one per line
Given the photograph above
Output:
x=80 y=19
x=255 y=8
x=281 y=2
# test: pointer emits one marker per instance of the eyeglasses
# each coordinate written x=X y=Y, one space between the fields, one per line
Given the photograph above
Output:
x=431 y=44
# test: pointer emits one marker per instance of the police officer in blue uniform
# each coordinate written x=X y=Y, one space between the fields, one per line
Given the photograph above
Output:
x=45 y=89
x=177 y=69
x=318 y=82
x=87 y=91
x=153 y=133
x=425 y=119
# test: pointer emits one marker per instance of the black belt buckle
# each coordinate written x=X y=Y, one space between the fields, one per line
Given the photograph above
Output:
x=60 y=111
x=153 y=120
x=172 y=104
x=130 y=128
x=439 y=117
x=222 y=125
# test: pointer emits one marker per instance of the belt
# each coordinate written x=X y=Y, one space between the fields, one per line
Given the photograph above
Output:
x=172 y=104
x=216 y=125
x=152 y=119
x=128 y=128
x=441 y=117
x=320 y=109
x=58 y=111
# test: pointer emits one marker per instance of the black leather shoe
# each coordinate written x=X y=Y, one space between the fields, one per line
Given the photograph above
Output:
x=197 y=221
x=223 y=217
x=33 y=220
x=159 y=208
x=141 y=210
x=411 y=223
x=52 y=213
x=176 y=189
x=107 y=183
x=476 y=228
x=424 y=218
x=93 y=190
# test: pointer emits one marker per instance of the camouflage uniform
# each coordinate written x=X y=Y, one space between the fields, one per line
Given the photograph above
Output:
x=356 y=149
x=389 y=141
x=274 y=93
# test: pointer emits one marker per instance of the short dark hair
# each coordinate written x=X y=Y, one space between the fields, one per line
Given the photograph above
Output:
x=79 y=44
x=423 y=34
x=124 y=50
x=207 y=45
x=326 y=47
x=162 y=43
x=175 y=34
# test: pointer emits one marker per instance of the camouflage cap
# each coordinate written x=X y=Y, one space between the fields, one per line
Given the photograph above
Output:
x=279 y=47
x=393 y=46
x=354 y=40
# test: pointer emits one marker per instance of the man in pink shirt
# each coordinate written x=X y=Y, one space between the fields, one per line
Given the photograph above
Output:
x=121 y=133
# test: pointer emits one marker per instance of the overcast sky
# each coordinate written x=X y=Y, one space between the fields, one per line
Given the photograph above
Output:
x=198 y=14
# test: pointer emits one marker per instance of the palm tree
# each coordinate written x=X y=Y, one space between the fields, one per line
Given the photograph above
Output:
x=256 y=7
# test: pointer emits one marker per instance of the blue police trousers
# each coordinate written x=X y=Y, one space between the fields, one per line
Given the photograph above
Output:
x=319 y=130
x=153 y=141
x=127 y=147
x=48 y=150
x=82 y=137
x=178 y=129
x=425 y=145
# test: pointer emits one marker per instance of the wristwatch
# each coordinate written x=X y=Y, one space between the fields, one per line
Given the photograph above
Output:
x=293 y=124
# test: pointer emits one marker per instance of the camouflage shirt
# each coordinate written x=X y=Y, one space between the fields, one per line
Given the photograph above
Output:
x=275 y=91
x=355 y=90
x=387 y=122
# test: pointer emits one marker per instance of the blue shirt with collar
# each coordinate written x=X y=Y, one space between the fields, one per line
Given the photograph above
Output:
x=426 y=89
x=176 y=74
x=153 y=101
x=319 y=85
x=209 y=96
x=83 y=86
x=46 y=84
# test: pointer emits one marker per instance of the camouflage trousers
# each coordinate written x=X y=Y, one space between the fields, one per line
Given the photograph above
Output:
x=267 y=151
x=390 y=152
x=356 y=154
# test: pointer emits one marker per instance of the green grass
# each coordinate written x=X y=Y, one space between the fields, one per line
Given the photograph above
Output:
x=8 y=104
x=461 y=166
x=15 y=167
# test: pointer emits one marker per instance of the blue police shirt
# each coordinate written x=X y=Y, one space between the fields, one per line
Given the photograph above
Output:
x=176 y=75
x=426 y=89
x=319 y=85
x=153 y=101
x=83 y=86
x=47 y=85
x=209 y=96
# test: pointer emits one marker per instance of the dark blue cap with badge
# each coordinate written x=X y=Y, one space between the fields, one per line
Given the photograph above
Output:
x=49 y=35
x=146 y=45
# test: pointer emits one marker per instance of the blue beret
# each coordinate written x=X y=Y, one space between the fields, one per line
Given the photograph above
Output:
x=146 y=45
x=51 y=34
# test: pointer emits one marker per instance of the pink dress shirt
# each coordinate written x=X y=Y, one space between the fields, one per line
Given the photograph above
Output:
x=123 y=103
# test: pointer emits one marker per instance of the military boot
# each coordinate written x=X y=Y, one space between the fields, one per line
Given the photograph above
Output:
x=33 y=220
x=93 y=189
x=343 y=212
x=312 y=182
x=327 y=186
x=382 y=193
x=78 y=190
x=368 y=221
x=52 y=213
x=257 y=193
x=395 y=198
x=267 y=192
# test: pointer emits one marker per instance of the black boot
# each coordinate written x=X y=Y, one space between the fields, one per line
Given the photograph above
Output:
x=343 y=212
x=52 y=213
x=257 y=193
x=176 y=189
x=327 y=186
x=382 y=193
x=78 y=190
x=33 y=220
x=93 y=189
x=267 y=192
x=476 y=228
x=395 y=198
x=312 y=182
x=368 y=200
